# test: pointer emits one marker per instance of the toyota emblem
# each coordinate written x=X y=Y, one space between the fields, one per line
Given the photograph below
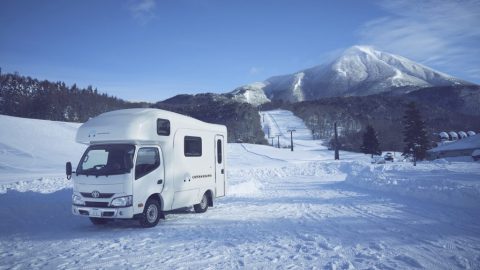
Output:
x=95 y=194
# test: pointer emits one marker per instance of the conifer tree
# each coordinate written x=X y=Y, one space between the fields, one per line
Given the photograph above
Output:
x=370 y=143
x=415 y=135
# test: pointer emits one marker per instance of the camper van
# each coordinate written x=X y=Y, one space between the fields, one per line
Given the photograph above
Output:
x=141 y=163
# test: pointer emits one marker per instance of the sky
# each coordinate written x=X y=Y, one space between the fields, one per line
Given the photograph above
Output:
x=150 y=50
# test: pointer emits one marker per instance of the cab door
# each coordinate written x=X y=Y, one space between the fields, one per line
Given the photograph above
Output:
x=219 y=166
x=149 y=175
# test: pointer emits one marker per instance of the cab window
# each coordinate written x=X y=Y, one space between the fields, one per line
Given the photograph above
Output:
x=148 y=159
x=107 y=160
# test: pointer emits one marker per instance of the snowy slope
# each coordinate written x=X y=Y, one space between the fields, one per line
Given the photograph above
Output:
x=282 y=210
x=36 y=148
x=359 y=71
x=278 y=122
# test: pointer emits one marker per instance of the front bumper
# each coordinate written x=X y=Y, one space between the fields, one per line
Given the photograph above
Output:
x=121 y=212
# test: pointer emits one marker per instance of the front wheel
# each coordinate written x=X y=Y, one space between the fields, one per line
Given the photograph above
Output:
x=202 y=206
x=151 y=214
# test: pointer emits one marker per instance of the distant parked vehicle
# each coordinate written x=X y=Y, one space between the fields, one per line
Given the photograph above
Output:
x=378 y=160
x=476 y=155
x=388 y=156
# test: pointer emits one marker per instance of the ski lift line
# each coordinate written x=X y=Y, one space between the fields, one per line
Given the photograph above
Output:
x=278 y=159
x=278 y=127
x=280 y=130
x=276 y=124
x=261 y=155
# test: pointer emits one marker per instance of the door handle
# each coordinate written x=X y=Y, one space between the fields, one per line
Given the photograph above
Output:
x=222 y=171
x=160 y=181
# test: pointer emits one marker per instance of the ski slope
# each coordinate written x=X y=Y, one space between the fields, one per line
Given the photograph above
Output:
x=282 y=210
x=277 y=123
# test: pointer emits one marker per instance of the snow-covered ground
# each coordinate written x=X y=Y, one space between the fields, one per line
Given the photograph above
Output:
x=277 y=123
x=32 y=149
x=282 y=210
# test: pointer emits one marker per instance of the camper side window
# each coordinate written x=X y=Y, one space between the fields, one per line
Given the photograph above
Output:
x=163 y=127
x=219 y=151
x=148 y=159
x=192 y=146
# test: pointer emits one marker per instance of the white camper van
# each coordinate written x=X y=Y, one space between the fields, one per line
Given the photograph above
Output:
x=143 y=162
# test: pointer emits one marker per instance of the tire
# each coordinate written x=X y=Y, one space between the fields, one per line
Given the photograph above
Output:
x=99 y=221
x=151 y=214
x=203 y=205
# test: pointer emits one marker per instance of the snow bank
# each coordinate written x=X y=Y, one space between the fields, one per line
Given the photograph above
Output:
x=466 y=143
x=42 y=185
x=30 y=148
x=251 y=188
x=449 y=183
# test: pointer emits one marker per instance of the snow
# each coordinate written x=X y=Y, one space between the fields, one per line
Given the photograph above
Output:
x=29 y=148
x=283 y=209
x=251 y=93
x=297 y=86
x=358 y=71
x=465 y=143
x=449 y=183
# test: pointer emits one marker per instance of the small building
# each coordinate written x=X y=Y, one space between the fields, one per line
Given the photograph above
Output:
x=453 y=136
x=459 y=148
x=462 y=134
x=443 y=136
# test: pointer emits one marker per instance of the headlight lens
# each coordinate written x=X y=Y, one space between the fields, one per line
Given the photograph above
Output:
x=122 y=201
x=77 y=200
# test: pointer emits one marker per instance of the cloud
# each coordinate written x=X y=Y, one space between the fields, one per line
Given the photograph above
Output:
x=255 y=70
x=441 y=34
x=143 y=10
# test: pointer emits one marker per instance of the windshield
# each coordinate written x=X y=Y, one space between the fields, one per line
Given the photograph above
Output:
x=107 y=160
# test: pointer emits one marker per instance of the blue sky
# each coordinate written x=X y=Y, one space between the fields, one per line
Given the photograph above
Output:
x=150 y=50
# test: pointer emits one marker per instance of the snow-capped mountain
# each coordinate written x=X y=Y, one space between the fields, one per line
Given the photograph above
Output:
x=251 y=93
x=359 y=71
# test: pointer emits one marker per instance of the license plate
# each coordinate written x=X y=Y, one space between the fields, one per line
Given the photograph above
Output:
x=95 y=213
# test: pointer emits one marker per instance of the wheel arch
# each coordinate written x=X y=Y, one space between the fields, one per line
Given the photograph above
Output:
x=157 y=197
x=209 y=193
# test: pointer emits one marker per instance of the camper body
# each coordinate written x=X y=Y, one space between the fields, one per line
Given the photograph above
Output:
x=143 y=162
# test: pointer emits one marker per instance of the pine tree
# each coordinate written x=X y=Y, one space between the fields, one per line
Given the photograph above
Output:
x=416 y=141
x=370 y=143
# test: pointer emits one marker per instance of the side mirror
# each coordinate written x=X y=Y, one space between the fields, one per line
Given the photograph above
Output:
x=68 y=170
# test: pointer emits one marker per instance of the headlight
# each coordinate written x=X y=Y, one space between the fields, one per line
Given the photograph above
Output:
x=77 y=200
x=122 y=201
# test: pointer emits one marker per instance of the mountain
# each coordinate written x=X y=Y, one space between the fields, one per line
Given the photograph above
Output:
x=358 y=71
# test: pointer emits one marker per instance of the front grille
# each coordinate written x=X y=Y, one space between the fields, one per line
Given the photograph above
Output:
x=96 y=204
x=101 y=196
x=107 y=214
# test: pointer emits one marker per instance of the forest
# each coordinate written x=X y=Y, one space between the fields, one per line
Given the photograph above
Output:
x=24 y=96
x=442 y=109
